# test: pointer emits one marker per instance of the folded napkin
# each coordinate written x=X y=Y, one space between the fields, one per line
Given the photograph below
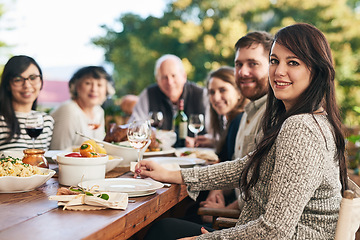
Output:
x=115 y=201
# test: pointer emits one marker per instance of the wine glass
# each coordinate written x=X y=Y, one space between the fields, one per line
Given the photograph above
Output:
x=156 y=119
x=34 y=125
x=139 y=133
x=196 y=124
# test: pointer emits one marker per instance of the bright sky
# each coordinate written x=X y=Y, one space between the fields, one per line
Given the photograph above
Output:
x=58 y=33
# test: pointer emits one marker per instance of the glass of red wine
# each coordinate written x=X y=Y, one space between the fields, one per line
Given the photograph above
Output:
x=34 y=125
x=156 y=119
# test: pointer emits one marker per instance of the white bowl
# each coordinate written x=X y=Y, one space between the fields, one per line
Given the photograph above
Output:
x=113 y=163
x=128 y=153
x=13 y=153
x=167 y=138
x=73 y=170
x=11 y=184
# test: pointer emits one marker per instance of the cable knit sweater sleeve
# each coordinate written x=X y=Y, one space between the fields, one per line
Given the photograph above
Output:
x=297 y=195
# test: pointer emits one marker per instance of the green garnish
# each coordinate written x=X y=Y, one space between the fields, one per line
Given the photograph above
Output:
x=186 y=153
x=104 y=196
x=84 y=146
x=87 y=193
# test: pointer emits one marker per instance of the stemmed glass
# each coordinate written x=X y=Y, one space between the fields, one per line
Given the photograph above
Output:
x=156 y=119
x=196 y=124
x=34 y=125
x=139 y=133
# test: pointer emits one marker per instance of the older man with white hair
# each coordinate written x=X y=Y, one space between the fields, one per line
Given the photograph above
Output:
x=171 y=86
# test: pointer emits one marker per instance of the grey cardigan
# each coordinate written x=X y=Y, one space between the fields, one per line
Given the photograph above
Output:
x=297 y=195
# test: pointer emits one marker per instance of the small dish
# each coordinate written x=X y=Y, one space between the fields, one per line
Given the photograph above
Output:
x=11 y=184
x=73 y=170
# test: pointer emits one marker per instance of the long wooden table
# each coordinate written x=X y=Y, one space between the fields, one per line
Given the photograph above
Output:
x=31 y=215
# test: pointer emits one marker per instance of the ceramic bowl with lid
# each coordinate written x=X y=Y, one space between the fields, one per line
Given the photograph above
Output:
x=73 y=170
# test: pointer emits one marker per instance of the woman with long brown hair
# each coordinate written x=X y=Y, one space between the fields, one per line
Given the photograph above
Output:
x=21 y=83
x=292 y=182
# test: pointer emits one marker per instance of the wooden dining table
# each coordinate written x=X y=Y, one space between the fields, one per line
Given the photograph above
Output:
x=30 y=215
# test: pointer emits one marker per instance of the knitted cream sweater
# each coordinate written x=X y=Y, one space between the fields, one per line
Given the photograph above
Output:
x=297 y=195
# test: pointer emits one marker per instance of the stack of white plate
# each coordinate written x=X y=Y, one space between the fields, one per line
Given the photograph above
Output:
x=132 y=186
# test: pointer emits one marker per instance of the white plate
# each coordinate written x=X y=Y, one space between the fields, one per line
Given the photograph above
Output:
x=11 y=184
x=179 y=151
x=182 y=161
x=125 y=185
x=141 y=194
x=202 y=153
x=159 y=153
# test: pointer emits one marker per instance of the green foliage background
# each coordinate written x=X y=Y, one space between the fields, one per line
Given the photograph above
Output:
x=203 y=34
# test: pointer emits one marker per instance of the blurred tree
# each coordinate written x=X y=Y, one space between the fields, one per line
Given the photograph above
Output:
x=203 y=33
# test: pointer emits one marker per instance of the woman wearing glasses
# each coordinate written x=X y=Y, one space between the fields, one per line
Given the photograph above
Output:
x=21 y=82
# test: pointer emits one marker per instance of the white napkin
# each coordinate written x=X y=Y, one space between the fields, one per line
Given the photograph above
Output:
x=115 y=201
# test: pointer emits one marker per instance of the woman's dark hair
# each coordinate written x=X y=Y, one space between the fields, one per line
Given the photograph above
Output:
x=311 y=47
x=96 y=72
x=13 y=68
x=226 y=74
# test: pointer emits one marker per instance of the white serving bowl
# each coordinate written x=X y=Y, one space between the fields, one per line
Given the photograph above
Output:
x=13 y=153
x=12 y=184
x=167 y=138
x=73 y=170
x=128 y=153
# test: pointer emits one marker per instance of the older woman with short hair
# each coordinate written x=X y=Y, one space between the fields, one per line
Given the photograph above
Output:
x=89 y=87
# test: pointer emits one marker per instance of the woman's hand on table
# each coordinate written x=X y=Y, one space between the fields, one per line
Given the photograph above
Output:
x=148 y=168
x=203 y=231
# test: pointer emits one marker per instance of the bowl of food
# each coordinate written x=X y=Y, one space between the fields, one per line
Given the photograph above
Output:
x=122 y=149
x=16 y=176
x=74 y=168
x=13 y=153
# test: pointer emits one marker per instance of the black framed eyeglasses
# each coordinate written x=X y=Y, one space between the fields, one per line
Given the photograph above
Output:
x=19 y=81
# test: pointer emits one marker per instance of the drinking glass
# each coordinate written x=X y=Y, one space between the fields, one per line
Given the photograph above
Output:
x=34 y=125
x=156 y=119
x=196 y=124
x=139 y=133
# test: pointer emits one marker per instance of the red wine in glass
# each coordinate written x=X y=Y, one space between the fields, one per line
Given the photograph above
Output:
x=34 y=132
x=34 y=125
